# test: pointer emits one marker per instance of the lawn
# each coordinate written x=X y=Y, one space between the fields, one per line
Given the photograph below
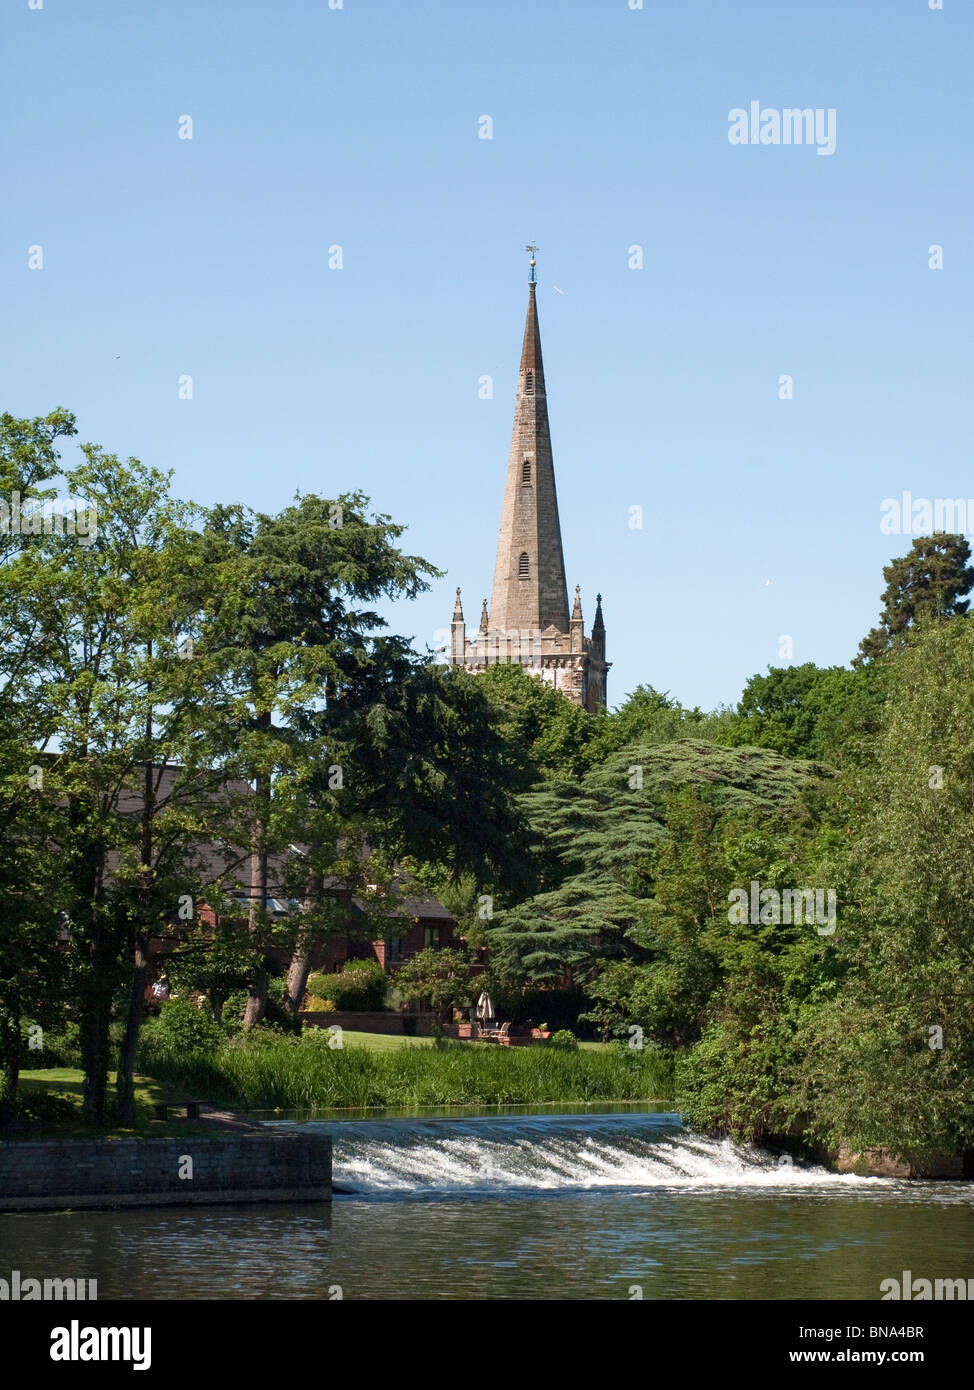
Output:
x=382 y=1042
x=392 y=1042
x=66 y=1083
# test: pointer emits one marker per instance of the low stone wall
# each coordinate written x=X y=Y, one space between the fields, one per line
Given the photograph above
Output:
x=35 y=1175
x=879 y=1163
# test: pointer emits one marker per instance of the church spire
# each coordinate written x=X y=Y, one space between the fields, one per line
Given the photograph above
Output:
x=529 y=590
x=598 y=630
x=577 y=634
x=458 y=633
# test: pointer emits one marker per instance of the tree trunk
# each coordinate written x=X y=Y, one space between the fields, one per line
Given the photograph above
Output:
x=297 y=977
x=10 y=1047
x=125 y=1084
x=300 y=967
x=257 y=987
x=95 y=1048
x=96 y=1010
x=256 y=1000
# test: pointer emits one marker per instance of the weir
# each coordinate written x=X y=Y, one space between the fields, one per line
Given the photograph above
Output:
x=503 y=1154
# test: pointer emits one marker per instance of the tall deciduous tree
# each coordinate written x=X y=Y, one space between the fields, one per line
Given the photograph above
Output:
x=32 y=889
x=122 y=707
x=94 y=693
x=890 y=1062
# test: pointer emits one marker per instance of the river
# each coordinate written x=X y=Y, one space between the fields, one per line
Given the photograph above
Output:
x=614 y=1203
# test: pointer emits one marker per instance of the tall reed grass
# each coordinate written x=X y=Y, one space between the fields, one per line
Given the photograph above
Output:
x=265 y=1072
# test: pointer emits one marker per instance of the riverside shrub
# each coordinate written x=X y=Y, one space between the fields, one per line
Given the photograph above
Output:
x=183 y=1029
x=359 y=987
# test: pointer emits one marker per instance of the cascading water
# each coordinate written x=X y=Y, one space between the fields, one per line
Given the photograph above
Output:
x=506 y=1154
x=517 y=1205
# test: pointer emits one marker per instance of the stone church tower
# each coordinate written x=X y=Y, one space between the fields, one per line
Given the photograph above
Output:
x=528 y=620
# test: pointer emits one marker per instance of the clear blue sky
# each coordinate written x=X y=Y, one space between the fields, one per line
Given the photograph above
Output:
x=359 y=127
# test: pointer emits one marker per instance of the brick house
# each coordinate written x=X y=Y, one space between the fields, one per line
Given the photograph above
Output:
x=415 y=918
x=416 y=922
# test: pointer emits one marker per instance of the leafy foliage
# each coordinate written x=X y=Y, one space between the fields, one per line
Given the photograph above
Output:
x=360 y=984
x=183 y=1030
x=924 y=586
x=599 y=837
x=438 y=979
x=890 y=1061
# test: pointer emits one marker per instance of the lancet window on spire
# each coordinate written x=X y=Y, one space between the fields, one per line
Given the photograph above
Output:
x=529 y=384
x=526 y=471
x=522 y=565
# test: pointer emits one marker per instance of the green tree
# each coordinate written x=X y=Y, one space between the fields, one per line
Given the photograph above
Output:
x=439 y=979
x=32 y=956
x=124 y=710
x=926 y=585
x=890 y=1061
x=289 y=633
x=743 y=1075
x=778 y=711
x=547 y=734
x=666 y=981
x=647 y=717
x=597 y=839
x=818 y=713
x=102 y=717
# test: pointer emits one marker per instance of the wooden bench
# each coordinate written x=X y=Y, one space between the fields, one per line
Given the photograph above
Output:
x=192 y=1108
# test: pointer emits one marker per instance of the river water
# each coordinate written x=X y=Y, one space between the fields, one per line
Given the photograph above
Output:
x=604 y=1204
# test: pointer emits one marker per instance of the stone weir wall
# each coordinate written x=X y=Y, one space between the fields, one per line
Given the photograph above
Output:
x=54 y=1174
x=880 y=1163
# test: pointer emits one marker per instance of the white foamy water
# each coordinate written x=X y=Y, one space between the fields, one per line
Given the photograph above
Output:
x=543 y=1153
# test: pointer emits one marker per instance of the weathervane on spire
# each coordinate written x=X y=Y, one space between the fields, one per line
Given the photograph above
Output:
x=533 y=249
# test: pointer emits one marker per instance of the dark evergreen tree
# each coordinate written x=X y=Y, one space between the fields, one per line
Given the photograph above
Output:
x=924 y=586
x=598 y=838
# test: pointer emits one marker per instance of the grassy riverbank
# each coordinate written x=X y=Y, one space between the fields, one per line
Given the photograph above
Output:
x=54 y=1096
x=305 y=1073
